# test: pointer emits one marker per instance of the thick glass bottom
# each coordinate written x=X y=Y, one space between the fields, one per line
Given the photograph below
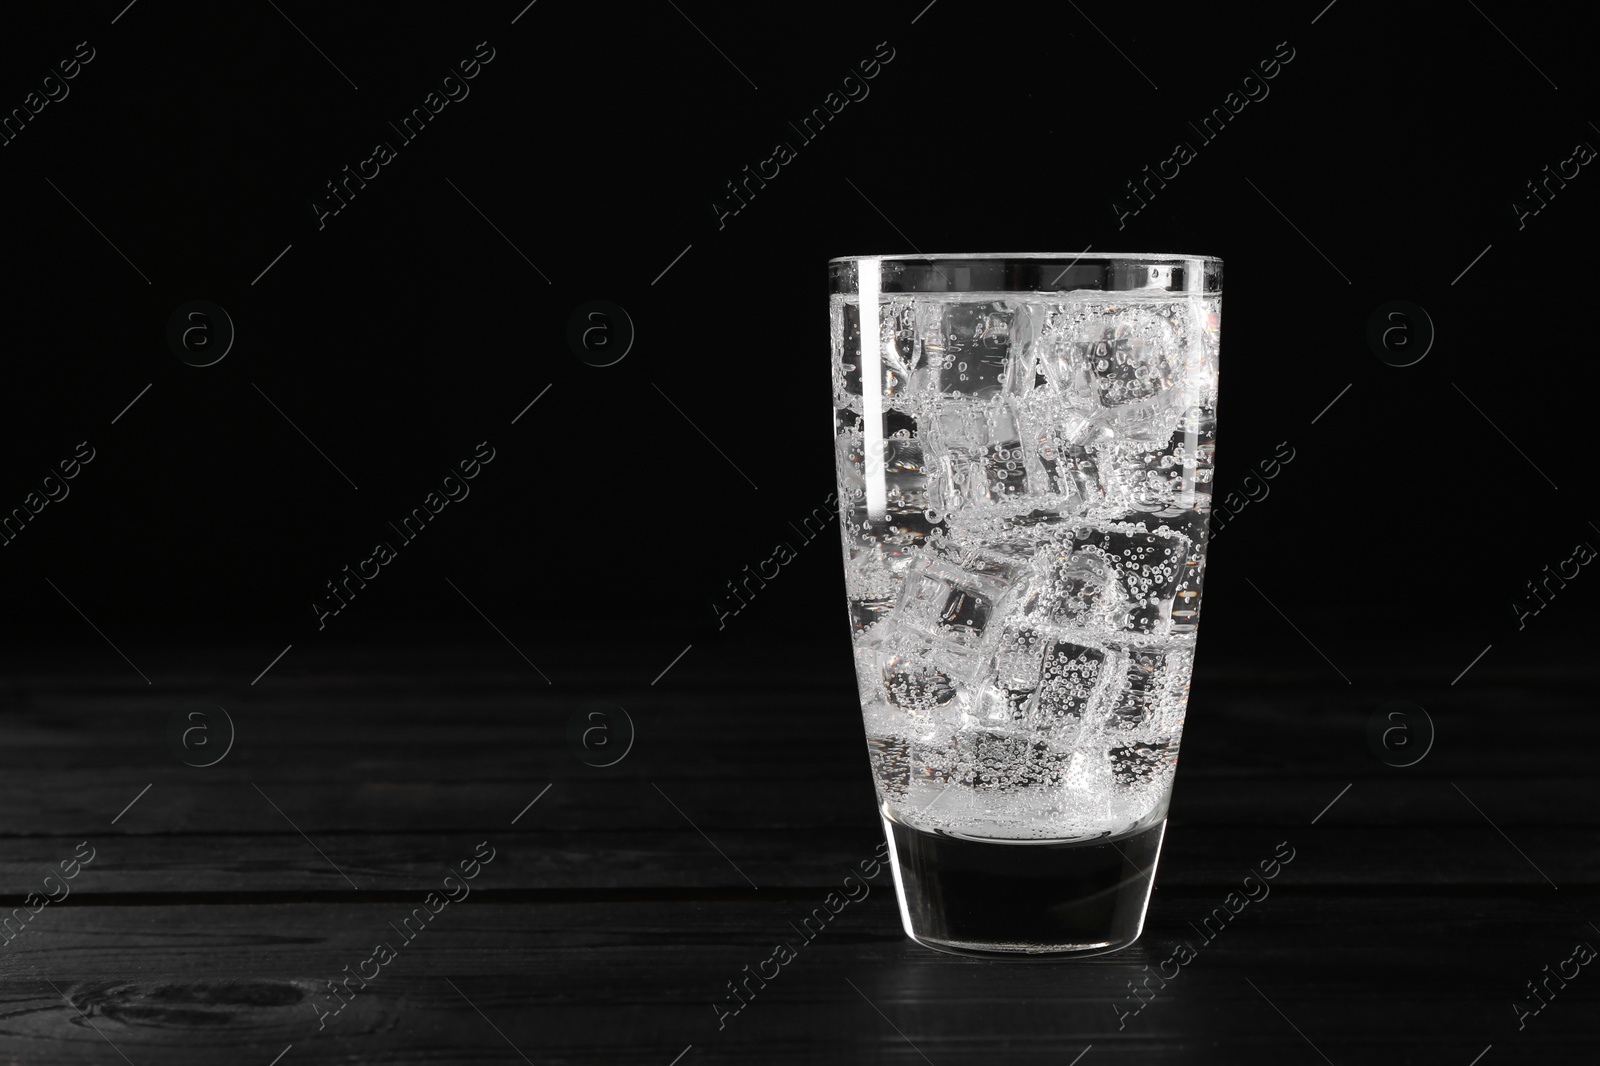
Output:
x=1029 y=899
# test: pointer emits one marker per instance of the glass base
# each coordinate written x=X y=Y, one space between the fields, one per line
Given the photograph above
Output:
x=1027 y=899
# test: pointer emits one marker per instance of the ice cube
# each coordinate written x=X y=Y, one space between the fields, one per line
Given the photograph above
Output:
x=981 y=479
x=1025 y=376
x=1076 y=585
x=1139 y=736
x=1017 y=646
x=955 y=595
x=1122 y=361
x=1061 y=450
x=940 y=598
x=1074 y=681
x=986 y=460
x=905 y=478
x=1062 y=359
x=1153 y=703
x=1037 y=666
x=866 y=611
x=892 y=541
x=1205 y=318
x=867 y=578
x=889 y=748
x=897 y=320
x=1072 y=472
x=890 y=759
x=1084 y=591
x=1163 y=477
x=1143 y=477
x=967 y=346
x=1000 y=472
x=958 y=425
x=1186 y=597
x=898 y=423
x=1186 y=605
x=1014 y=654
x=992 y=760
x=1009 y=681
x=1000 y=563
x=1130 y=351
x=897 y=345
x=1088 y=774
x=1146 y=680
x=1199 y=442
x=1147 y=567
x=994 y=475
x=1141 y=766
x=994 y=702
x=932 y=603
x=911 y=670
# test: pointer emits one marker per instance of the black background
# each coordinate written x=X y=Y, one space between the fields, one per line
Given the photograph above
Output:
x=407 y=329
x=414 y=324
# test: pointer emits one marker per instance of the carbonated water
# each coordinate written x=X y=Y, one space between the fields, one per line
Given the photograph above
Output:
x=1024 y=533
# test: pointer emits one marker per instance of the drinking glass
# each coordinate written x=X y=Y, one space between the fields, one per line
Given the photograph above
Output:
x=1024 y=447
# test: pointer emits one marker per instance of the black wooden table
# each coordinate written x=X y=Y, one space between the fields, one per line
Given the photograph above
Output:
x=235 y=912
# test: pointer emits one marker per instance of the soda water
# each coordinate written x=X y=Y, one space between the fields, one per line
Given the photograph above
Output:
x=1024 y=531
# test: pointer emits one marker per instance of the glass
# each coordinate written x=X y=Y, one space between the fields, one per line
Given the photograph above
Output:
x=1024 y=455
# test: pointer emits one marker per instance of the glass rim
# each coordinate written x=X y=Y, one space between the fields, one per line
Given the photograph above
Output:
x=1032 y=272
x=933 y=257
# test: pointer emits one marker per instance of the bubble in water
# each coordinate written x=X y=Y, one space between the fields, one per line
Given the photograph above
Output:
x=1024 y=627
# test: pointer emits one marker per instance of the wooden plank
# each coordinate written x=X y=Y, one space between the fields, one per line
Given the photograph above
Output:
x=608 y=926
x=678 y=859
x=619 y=982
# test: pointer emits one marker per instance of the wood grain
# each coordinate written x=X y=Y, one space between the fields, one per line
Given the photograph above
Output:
x=607 y=926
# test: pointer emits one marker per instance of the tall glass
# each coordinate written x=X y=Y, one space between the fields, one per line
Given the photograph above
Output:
x=1024 y=448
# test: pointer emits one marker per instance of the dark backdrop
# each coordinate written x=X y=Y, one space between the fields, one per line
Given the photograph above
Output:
x=374 y=348
x=427 y=313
